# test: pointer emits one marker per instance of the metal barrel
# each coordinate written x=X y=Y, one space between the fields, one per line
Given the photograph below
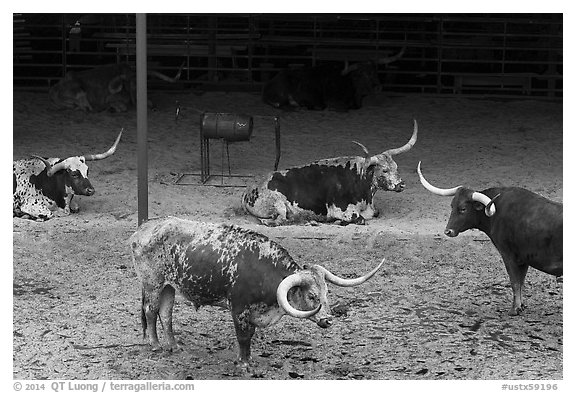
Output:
x=231 y=127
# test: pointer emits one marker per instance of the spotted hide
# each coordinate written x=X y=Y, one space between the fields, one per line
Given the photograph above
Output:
x=214 y=263
x=332 y=189
x=45 y=186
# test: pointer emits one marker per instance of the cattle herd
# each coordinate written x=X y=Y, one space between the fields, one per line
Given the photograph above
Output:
x=255 y=277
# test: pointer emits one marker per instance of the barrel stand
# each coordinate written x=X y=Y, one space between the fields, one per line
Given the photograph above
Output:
x=227 y=128
x=205 y=160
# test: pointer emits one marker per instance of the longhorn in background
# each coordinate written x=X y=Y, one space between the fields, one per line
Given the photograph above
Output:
x=109 y=87
x=325 y=86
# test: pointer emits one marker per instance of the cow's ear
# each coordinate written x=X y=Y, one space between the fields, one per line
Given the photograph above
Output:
x=478 y=206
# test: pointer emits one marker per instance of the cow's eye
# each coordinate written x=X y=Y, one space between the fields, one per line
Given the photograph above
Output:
x=462 y=210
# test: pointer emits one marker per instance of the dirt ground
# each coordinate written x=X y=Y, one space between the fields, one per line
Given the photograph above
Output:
x=439 y=311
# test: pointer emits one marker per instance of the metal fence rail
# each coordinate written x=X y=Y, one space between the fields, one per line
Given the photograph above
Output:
x=488 y=54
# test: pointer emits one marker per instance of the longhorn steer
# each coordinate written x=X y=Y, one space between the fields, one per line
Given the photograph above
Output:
x=43 y=185
x=526 y=228
x=325 y=86
x=109 y=87
x=210 y=263
x=340 y=188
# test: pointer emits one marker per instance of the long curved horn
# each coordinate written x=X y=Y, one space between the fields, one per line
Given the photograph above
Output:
x=348 y=282
x=166 y=78
x=435 y=190
x=366 y=154
x=388 y=60
x=101 y=156
x=51 y=170
x=292 y=280
x=490 y=208
x=408 y=145
x=349 y=68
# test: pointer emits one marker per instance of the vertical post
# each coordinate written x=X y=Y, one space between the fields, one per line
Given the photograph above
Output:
x=440 y=48
x=277 y=132
x=142 y=117
x=64 y=52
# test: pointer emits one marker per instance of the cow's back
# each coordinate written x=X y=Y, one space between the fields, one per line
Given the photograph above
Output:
x=207 y=262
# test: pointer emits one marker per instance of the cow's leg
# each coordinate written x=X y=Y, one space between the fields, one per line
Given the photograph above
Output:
x=244 y=332
x=281 y=215
x=166 y=307
x=350 y=216
x=39 y=211
x=74 y=208
x=370 y=212
x=151 y=307
x=517 y=274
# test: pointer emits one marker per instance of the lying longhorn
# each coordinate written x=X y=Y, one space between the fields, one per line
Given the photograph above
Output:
x=210 y=263
x=109 y=87
x=325 y=86
x=45 y=185
x=526 y=228
x=340 y=188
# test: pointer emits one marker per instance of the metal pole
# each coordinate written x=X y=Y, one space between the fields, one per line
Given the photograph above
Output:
x=142 y=117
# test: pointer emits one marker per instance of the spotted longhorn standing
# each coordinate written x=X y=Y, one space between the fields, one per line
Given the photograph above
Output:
x=43 y=186
x=526 y=228
x=211 y=263
x=332 y=189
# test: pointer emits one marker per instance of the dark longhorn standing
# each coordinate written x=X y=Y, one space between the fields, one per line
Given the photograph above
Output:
x=526 y=228
x=44 y=185
x=210 y=263
x=325 y=86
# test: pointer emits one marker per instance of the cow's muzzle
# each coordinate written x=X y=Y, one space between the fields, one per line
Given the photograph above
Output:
x=400 y=187
x=450 y=232
x=324 y=322
x=89 y=191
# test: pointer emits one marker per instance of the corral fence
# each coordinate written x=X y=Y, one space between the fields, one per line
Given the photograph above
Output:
x=504 y=55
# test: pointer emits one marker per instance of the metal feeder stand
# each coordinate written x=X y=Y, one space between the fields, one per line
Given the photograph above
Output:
x=229 y=128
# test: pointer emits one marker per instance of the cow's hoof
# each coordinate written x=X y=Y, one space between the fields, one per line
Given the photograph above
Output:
x=243 y=366
x=357 y=221
x=268 y=222
x=514 y=311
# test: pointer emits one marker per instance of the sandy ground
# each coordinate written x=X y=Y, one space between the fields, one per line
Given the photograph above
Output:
x=438 y=312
